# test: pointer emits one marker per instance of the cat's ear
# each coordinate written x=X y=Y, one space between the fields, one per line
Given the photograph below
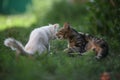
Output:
x=56 y=26
x=66 y=26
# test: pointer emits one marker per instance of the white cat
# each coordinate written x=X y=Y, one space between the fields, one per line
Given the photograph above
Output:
x=38 y=41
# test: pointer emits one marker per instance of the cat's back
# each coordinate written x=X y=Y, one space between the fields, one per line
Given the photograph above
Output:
x=40 y=31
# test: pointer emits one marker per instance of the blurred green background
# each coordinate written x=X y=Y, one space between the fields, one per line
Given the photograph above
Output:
x=100 y=18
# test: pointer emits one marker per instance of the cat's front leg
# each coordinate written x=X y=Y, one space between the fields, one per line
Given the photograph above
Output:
x=71 y=50
x=66 y=50
x=47 y=46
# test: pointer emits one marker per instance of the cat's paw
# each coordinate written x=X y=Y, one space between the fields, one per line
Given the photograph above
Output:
x=66 y=50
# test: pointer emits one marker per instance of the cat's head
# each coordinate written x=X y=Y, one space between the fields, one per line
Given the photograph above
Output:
x=64 y=32
x=53 y=30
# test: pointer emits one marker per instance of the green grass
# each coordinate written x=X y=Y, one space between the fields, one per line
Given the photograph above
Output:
x=57 y=65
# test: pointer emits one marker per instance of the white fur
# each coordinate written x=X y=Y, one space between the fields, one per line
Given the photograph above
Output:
x=38 y=41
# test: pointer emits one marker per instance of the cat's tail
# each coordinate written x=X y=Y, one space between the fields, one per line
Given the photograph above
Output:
x=15 y=45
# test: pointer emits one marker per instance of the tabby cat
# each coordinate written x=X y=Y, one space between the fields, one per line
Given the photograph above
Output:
x=81 y=42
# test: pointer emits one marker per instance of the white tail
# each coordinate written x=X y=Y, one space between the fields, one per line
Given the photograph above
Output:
x=15 y=45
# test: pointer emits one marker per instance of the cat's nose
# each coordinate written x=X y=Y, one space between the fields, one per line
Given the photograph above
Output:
x=58 y=36
x=94 y=49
